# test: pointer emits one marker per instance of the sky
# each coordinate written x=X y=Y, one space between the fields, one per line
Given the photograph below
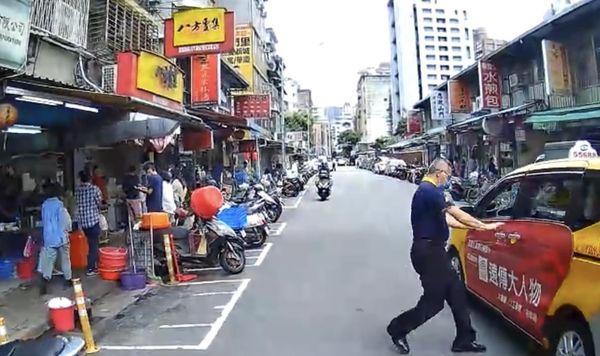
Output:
x=325 y=43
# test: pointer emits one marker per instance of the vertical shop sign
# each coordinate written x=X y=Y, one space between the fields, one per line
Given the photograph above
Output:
x=489 y=86
x=459 y=97
x=556 y=68
x=252 y=106
x=199 y=26
x=14 y=33
x=205 y=80
x=415 y=122
x=242 y=58
x=439 y=106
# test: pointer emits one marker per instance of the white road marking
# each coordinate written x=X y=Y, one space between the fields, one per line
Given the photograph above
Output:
x=200 y=283
x=219 y=307
x=263 y=254
x=298 y=201
x=279 y=230
x=211 y=293
x=183 y=326
x=214 y=329
x=153 y=347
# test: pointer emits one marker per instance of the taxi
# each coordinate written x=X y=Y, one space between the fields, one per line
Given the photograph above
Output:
x=541 y=269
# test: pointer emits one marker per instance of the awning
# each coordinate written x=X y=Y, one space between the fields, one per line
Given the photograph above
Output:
x=565 y=115
x=517 y=110
x=114 y=101
x=232 y=76
x=413 y=142
x=218 y=119
x=434 y=132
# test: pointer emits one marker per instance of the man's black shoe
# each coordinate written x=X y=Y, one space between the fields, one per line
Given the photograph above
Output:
x=470 y=347
x=401 y=345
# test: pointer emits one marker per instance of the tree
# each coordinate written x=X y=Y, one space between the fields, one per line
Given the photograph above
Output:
x=349 y=137
x=298 y=121
x=381 y=143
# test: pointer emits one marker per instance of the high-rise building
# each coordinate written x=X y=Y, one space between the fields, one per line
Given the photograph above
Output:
x=483 y=44
x=431 y=40
x=290 y=96
x=372 y=109
x=305 y=100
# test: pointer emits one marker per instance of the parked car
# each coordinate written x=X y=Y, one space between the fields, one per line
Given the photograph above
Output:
x=540 y=270
x=392 y=165
x=342 y=161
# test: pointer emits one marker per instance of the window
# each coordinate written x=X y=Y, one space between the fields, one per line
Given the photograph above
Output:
x=441 y=30
x=456 y=39
x=427 y=1
x=430 y=48
x=455 y=30
x=442 y=38
x=467 y=33
x=432 y=76
x=427 y=19
x=431 y=67
x=426 y=11
x=468 y=52
x=457 y=68
x=439 y=11
x=443 y=48
x=588 y=207
x=453 y=20
x=429 y=38
x=444 y=58
x=428 y=29
x=444 y=67
x=500 y=202
x=430 y=57
x=432 y=86
x=440 y=20
x=465 y=14
x=456 y=49
x=457 y=58
x=445 y=77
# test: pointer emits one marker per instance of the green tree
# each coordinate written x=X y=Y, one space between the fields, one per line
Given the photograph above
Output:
x=349 y=137
x=381 y=142
x=298 y=121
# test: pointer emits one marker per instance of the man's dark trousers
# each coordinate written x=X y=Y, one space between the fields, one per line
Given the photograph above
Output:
x=440 y=283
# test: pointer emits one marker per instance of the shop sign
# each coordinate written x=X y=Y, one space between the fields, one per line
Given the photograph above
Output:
x=205 y=80
x=252 y=106
x=582 y=150
x=439 y=106
x=414 y=123
x=247 y=146
x=226 y=46
x=14 y=33
x=459 y=97
x=556 y=68
x=193 y=140
x=242 y=58
x=199 y=26
x=489 y=86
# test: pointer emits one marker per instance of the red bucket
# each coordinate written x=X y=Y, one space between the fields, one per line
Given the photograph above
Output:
x=114 y=258
x=25 y=268
x=62 y=318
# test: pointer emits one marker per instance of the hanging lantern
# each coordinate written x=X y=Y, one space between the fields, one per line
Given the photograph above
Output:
x=8 y=115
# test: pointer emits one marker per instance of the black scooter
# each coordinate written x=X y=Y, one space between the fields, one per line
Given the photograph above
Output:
x=324 y=185
x=44 y=346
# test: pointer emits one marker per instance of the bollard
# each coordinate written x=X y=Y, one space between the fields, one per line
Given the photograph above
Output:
x=90 y=345
x=3 y=333
x=169 y=255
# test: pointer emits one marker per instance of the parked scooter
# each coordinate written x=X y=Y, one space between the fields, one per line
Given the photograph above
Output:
x=248 y=221
x=45 y=346
x=457 y=191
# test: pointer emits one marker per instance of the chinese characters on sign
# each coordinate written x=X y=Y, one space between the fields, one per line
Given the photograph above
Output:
x=159 y=76
x=242 y=59
x=252 y=106
x=439 y=106
x=14 y=33
x=415 y=121
x=173 y=51
x=556 y=68
x=460 y=97
x=199 y=26
x=205 y=79
x=489 y=86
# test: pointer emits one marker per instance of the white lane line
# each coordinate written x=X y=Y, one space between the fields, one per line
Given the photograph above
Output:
x=214 y=329
x=183 y=326
x=153 y=347
x=200 y=283
x=263 y=254
x=279 y=230
x=297 y=203
x=219 y=307
x=205 y=294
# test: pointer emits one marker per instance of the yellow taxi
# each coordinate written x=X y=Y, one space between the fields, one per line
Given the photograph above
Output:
x=541 y=269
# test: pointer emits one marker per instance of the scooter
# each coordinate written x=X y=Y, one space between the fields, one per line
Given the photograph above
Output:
x=208 y=244
x=45 y=346
x=457 y=191
x=248 y=221
x=273 y=205
x=323 y=187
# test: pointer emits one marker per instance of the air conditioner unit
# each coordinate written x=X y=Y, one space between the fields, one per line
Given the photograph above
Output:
x=518 y=80
x=109 y=78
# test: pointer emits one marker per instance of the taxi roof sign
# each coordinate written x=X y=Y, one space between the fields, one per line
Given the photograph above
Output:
x=582 y=150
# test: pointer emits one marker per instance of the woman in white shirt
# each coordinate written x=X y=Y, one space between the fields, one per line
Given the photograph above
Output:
x=168 y=196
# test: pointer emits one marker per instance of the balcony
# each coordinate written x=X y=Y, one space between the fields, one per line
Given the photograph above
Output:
x=65 y=20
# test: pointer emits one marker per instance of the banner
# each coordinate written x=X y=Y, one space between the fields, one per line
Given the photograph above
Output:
x=459 y=97
x=171 y=51
x=414 y=123
x=489 y=86
x=556 y=68
x=159 y=76
x=205 y=80
x=14 y=33
x=199 y=26
x=243 y=59
x=439 y=106
x=252 y=106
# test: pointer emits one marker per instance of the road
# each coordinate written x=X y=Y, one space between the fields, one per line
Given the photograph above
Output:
x=326 y=285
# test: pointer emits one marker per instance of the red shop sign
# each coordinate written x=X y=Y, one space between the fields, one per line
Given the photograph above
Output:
x=415 y=120
x=205 y=79
x=209 y=48
x=252 y=106
x=246 y=146
x=489 y=86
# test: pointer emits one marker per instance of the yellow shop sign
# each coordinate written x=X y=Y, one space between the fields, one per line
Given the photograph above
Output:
x=199 y=26
x=157 y=75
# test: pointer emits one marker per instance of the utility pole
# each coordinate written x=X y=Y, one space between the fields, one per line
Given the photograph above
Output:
x=282 y=111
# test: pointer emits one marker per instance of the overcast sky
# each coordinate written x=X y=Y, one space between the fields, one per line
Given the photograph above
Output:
x=324 y=49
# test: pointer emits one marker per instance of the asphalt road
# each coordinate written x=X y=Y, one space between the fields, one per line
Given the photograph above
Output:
x=327 y=285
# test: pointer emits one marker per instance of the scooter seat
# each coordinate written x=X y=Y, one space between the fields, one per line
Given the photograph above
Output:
x=46 y=346
x=8 y=349
x=180 y=233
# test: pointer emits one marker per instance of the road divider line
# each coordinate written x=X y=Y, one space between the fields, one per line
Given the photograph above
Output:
x=216 y=326
x=205 y=294
x=183 y=326
x=279 y=230
x=263 y=254
x=200 y=283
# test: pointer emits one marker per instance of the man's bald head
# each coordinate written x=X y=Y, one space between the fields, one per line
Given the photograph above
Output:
x=439 y=165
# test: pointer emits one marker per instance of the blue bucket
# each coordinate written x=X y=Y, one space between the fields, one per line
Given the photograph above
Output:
x=7 y=269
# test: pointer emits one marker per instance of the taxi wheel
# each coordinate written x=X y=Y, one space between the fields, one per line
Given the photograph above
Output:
x=571 y=338
x=456 y=264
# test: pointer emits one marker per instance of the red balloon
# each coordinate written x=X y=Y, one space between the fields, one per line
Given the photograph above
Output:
x=206 y=201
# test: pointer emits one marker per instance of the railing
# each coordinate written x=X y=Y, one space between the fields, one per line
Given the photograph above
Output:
x=66 y=20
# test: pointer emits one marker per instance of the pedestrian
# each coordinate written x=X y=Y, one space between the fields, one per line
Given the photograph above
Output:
x=179 y=189
x=56 y=223
x=89 y=198
x=168 y=196
x=132 y=189
x=431 y=214
x=154 y=190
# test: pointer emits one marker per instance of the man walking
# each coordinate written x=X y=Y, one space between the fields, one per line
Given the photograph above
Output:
x=431 y=215
x=89 y=199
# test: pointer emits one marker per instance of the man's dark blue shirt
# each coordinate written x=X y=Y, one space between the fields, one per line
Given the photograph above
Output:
x=428 y=216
